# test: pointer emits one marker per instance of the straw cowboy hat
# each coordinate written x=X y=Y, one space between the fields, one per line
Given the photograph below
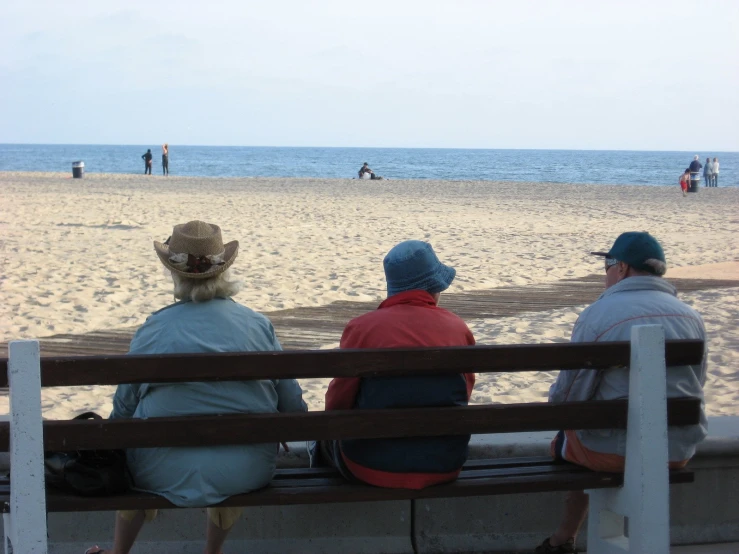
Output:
x=196 y=250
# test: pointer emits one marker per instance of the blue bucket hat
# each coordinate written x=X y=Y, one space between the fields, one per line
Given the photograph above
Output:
x=640 y=250
x=413 y=265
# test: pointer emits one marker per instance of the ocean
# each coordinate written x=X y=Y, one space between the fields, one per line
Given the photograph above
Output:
x=554 y=166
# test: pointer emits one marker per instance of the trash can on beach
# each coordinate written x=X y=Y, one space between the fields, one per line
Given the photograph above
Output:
x=695 y=181
x=78 y=169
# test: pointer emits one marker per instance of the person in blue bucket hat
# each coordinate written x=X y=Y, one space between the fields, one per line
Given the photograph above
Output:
x=413 y=265
x=409 y=317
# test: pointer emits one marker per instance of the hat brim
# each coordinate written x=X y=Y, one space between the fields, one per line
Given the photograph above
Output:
x=230 y=251
x=444 y=278
x=604 y=254
x=437 y=281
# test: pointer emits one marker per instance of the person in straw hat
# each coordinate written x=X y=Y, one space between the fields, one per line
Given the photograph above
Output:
x=204 y=319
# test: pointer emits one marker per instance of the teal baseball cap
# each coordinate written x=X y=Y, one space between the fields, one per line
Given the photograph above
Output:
x=640 y=250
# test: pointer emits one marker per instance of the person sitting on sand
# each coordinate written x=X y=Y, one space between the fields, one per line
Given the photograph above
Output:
x=205 y=319
x=409 y=317
x=147 y=161
x=365 y=169
x=636 y=294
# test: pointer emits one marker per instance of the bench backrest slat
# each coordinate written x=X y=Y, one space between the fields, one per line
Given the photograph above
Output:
x=114 y=370
x=260 y=428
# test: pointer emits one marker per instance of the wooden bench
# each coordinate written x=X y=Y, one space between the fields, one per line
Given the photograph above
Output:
x=26 y=501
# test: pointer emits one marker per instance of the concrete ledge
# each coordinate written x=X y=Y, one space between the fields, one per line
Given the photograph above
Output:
x=507 y=523
x=362 y=528
x=702 y=512
x=723 y=441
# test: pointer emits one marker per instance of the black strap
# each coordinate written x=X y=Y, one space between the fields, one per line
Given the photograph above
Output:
x=88 y=415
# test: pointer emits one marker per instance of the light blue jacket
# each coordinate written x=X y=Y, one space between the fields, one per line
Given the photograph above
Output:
x=196 y=477
x=635 y=301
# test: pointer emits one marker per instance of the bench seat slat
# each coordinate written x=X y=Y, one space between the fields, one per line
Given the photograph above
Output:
x=286 y=474
x=468 y=474
x=546 y=467
x=347 y=493
x=324 y=490
x=296 y=477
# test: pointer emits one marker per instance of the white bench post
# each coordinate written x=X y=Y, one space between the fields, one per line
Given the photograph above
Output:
x=25 y=525
x=644 y=498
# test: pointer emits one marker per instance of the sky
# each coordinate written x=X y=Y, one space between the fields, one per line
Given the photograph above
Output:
x=622 y=75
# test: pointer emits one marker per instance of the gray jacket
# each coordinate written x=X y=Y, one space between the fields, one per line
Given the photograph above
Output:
x=635 y=301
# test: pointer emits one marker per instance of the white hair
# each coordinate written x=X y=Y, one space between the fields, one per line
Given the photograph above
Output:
x=696 y=157
x=202 y=290
x=657 y=267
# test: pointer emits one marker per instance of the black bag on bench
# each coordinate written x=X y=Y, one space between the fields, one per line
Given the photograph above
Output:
x=87 y=472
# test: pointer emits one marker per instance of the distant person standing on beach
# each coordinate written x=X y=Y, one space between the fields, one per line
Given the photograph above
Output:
x=147 y=161
x=695 y=173
x=708 y=173
x=714 y=175
x=165 y=159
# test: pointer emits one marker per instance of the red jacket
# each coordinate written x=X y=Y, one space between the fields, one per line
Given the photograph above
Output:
x=409 y=319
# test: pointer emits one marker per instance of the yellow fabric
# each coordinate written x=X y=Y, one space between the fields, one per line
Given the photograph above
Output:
x=224 y=518
x=128 y=515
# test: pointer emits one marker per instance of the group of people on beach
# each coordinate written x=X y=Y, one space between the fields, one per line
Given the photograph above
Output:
x=148 y=158
x=205 y=318
x=692 y=173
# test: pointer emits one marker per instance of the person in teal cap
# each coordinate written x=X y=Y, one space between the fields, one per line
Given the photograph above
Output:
x=636 y=294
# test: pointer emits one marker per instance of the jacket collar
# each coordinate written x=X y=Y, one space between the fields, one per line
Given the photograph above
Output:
x=410 y=297
x=641 y=283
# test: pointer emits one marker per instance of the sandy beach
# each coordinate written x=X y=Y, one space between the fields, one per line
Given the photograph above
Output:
x=77 y=254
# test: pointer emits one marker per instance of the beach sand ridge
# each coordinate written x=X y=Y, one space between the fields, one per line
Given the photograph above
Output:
x=77 y=253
